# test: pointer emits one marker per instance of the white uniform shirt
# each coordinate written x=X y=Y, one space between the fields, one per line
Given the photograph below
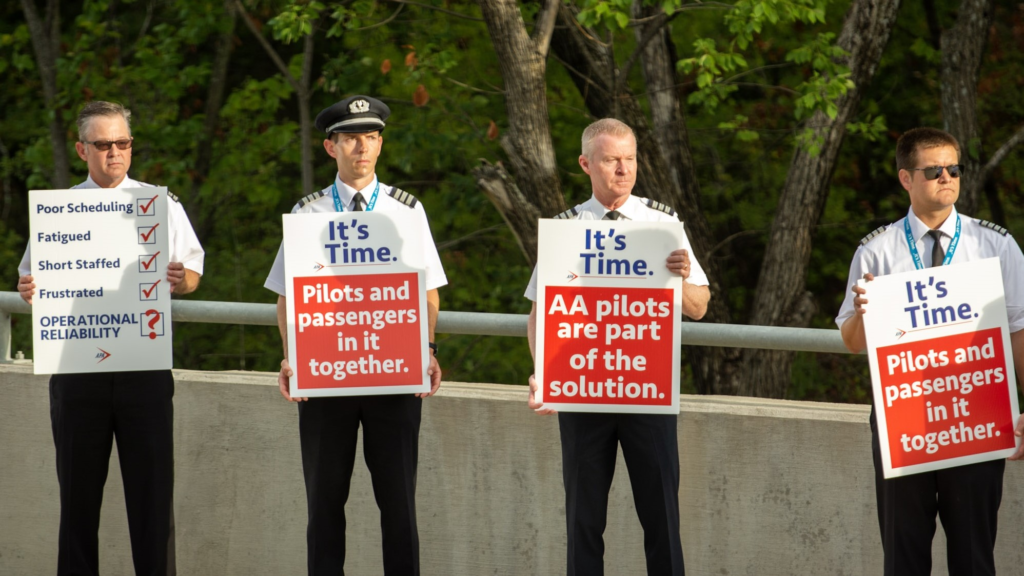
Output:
x=434 y=277
x=183 y=243
x=632 y=209
x=888 y=253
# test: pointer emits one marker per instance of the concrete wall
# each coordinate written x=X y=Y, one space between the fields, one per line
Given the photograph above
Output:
x=768 y=487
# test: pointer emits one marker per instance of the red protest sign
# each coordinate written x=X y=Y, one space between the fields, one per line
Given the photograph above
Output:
x=941 y=367
x=608 y=346
x=356 y=304
x=357 y=331
x=946 y=397
x=608 y=317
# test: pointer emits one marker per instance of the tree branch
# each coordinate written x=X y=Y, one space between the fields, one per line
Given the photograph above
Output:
x=382 y=22
x=545 y=27
x=1001 y=153
x=473 y=88
x=653 y=31
x=429 y=7
x=299 y=90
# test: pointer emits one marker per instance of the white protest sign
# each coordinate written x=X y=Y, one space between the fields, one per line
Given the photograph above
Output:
x=608 y=316
x=941 y=367
x=99 y=261
x=357 y=307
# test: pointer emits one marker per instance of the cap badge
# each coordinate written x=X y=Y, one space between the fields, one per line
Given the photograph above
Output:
x=359 y=107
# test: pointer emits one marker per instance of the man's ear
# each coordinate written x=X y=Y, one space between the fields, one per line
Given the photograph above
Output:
x=906 y=178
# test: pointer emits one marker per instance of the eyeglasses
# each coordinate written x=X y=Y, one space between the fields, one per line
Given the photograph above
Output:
x=104 y=145
x=933 y=172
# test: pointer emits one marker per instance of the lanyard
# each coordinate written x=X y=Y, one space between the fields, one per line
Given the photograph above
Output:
x=913 y=245
x=339 y=207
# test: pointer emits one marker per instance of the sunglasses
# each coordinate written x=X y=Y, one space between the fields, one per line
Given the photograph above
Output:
x=933 y=172
x=104 y=145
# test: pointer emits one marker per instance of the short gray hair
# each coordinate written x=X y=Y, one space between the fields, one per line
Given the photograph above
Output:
x=604 y=126
x=101 y=108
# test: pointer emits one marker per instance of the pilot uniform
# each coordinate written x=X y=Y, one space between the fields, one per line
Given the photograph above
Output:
x=966 y=498
x=329 y=426
x=649 y=445
x=87 y=411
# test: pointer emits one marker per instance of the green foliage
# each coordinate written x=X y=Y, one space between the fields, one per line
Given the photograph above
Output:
x=296 y=21
x=753 y=76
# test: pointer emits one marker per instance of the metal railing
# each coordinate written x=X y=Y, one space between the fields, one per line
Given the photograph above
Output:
x=476 y=323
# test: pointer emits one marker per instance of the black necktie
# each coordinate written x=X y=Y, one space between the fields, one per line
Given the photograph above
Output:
x=938 y=254
x=613 y=215
x=357 y=202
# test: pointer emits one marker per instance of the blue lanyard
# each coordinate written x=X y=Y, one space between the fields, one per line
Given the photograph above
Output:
x=913 y=245
x=339 y=207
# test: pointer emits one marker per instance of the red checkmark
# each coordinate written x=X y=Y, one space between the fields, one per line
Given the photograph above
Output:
x=149 y=292
x=145 y=264
x=145 y=208
x=145 y=237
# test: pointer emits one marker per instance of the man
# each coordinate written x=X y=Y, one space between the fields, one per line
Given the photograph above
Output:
x=966 y=498
x=88 y=410
x=328 y=427
x=589 y=441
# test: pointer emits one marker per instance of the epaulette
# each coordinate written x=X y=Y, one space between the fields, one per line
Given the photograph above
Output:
x=655 y=205
x=567 y=215
x=173 y=197
x=403 y=197
x=864 y=241
x=993 y=226
x=312 y=198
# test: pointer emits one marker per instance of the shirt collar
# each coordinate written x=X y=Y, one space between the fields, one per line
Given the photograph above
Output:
x=346 y=192
x=919 y=229
x=628 y=209
x=126 y=182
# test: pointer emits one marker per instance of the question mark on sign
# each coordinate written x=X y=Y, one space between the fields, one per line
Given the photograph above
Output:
x=152 y=321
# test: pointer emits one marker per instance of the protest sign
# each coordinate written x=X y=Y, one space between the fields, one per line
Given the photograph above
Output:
x=941 y=367
x=99 y=262
x=357 y=308
x=608 y=316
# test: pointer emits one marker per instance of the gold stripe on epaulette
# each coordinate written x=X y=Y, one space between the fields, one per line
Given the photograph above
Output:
x=567 y=215
x=173 y=197
x=660 y=206
x=311 y=198
x=993 y=226
x=403 y=197
x=875 y=232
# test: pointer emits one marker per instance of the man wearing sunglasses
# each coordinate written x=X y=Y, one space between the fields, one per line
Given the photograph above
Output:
x=87 y=411
x=966 y=498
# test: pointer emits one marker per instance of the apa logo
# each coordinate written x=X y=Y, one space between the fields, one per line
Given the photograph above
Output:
x=317 y=267
x=900 y=333
x=572 y=276
x=102 y=355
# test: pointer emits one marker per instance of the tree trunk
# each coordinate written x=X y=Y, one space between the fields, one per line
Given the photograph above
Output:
x=713 y=367
x=962 y=48
x=781 y=298
x=527 y=142
x=46 y=43
x=211 y=115
x=664 y=163
x=302 y=87
x=305 y=115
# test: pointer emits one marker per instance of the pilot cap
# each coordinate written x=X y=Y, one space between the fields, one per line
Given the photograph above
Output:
x=355 y=114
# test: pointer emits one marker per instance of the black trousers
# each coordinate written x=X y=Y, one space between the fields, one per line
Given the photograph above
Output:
x=649 y=445
x=966 y=499
x=328 y=428
x=87 y=412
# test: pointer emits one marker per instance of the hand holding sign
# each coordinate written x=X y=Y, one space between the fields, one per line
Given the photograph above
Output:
x=26 y=288
x=532 y=402
x=282 y=382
